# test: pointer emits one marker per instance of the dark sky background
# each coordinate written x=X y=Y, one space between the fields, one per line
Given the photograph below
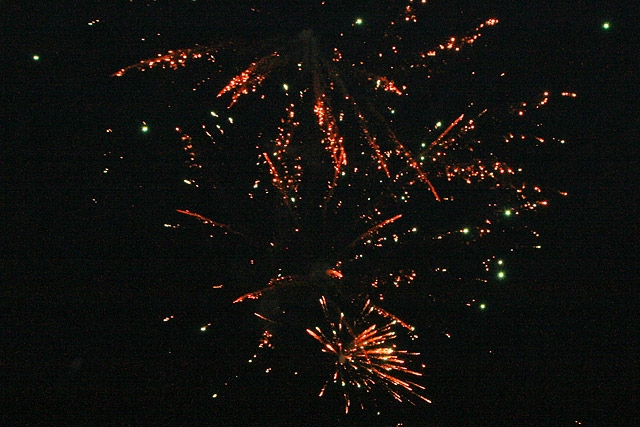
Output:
x=85 y=284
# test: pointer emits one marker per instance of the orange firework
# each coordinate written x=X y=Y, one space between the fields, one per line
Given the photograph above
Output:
x=327 y=84
x=340 y=152
x=365 y=356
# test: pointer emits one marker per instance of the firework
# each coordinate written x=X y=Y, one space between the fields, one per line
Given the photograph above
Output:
x=327 y=216
x=324 y=269
x=328 y=89
x=482 y=151
x=365 y=355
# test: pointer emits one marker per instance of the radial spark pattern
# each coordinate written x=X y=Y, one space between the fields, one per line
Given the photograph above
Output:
x=354 y=195
x=366 y=356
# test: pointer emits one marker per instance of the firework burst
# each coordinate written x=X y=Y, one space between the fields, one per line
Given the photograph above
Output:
x=350 y=107
x=328 y=214
x=366 y=356
x=320 y=255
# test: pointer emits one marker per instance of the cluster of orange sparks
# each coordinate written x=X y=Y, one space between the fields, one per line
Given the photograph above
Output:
x=173 y=59
x=365 y=356
x=326 y=78
x=455 y=44
x=285 y=177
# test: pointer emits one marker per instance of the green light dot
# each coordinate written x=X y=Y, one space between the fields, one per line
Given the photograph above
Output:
x=483 y=306
x=36 y=57
x=358 y=21
x=145 y=128
x=507 y=212
x=465 y=231
x=606 y=25
x=438 y=125
x=501 y=275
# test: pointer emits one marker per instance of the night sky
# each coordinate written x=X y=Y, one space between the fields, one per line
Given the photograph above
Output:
x=117 y=310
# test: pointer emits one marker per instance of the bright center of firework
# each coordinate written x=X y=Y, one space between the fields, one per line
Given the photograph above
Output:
x=342 y=358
